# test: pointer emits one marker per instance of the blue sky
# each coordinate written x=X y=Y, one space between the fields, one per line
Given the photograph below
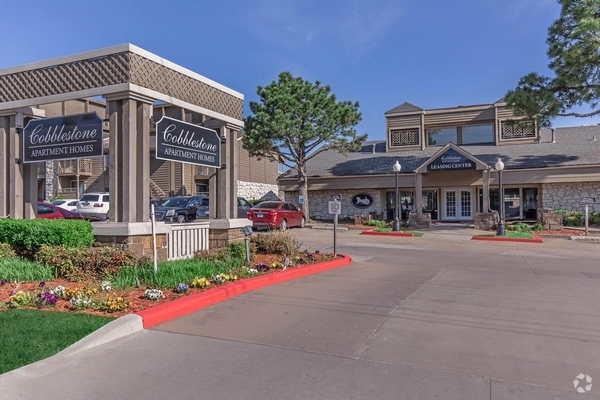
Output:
x=434 y=53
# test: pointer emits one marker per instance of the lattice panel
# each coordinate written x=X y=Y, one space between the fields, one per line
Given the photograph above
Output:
x=151 y=75
x=65 y=78
x=518 y=130
x=407 y=137
x=202 y=170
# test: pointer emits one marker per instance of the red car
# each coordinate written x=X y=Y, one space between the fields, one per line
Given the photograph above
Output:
x=276 y=214
x=50 y=211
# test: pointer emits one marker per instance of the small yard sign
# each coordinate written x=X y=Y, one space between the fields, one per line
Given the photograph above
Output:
x=587 y=200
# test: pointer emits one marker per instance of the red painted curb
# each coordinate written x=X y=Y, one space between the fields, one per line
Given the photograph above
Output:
x=189 y=304
x=373 y=232
x=536 y=239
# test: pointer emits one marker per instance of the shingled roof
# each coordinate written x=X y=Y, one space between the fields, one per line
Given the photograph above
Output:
x=404 y=108
x=575 y=147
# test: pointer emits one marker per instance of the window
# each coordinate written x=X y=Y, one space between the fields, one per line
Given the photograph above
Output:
x=281 y=168
x=105 y=198
x=204 y=202
x=292 y=207
x=441 y=136
x=201 y=189
x=243 y=203
x=193 y=203
x=404 y=137
x=472 y=134
x=286 y=207
x=44 y=210
x=89 y=197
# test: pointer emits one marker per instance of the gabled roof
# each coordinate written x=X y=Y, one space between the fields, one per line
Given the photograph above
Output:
x=451 y=146
x=403 y=108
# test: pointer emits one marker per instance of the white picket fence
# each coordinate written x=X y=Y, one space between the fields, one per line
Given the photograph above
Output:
x=185 y=239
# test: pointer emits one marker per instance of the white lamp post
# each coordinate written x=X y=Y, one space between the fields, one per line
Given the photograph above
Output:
x=499 y=167
x=396 y=226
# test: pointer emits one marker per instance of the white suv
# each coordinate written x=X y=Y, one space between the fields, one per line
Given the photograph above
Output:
x=93 y=206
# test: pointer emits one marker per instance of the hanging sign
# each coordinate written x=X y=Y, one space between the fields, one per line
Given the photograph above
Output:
x=63 y=138
x=184 y=142
x=451 y=160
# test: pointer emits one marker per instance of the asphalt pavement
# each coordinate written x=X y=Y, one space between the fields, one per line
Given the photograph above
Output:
x=440 y=316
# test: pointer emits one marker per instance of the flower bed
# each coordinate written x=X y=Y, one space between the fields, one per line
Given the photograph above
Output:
x=102 y=298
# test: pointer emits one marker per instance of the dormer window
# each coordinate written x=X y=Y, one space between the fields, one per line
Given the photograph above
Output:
x=460 y=135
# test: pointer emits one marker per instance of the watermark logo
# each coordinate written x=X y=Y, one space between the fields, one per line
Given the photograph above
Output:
x=583 y=383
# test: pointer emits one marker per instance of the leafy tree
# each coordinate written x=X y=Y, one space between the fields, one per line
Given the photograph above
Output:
x=574 y=53
x=295 y=120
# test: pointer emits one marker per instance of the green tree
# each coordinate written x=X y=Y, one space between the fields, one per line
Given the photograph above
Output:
x=574 y=53
x=295 y=120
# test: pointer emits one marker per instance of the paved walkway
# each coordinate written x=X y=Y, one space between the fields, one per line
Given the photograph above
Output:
x=413 y=318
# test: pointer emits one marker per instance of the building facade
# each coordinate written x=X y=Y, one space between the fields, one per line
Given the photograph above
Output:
x=447 y=159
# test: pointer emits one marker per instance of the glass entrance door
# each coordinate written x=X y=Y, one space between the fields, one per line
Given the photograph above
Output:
x=458 y=204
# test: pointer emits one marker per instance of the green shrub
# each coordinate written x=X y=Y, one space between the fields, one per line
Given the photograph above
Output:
x=276 y=242
x=82 y=263
x=522 y=227
x=6 y=251
x=26 y=236
x=537 y=227
x=594 y=218
x=377 y=223
x=237 y=250
x=571 y=218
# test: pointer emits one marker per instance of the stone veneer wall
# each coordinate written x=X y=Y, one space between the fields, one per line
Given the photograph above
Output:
x=255 y=191
x=565 y=196
x=318 y=202
x=140 y=245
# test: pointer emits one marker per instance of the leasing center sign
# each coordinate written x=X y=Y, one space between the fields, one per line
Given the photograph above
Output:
x=180 y=141
x=451 y=160
x=62 y=138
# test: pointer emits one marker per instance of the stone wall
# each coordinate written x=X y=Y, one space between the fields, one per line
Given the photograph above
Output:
x=222 y=237
x=255 y=191
x=140 y=245
x=565 y=196
x=318 y=202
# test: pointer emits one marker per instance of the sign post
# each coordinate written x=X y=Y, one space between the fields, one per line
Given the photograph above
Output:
x=335 y=208
x=587 y=201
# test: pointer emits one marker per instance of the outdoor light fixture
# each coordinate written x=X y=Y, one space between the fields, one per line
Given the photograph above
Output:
x=499 y=167
x=396 y=227
x=247 y=230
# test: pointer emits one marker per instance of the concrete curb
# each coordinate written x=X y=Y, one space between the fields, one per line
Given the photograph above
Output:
x=375 y=233
x=195 y=302
x=330 y=228
x=536 y=239
x=117 y=329
x=585 y=238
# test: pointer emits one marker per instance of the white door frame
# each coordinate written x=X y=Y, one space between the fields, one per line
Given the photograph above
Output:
x=459 y=216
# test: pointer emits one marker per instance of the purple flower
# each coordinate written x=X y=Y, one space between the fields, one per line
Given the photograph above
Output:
x=42 y=284
x=12 y=292
x=3 y=282
x=262 y=267
x=317 y=252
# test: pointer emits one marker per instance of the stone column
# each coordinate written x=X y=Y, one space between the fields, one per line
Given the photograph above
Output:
x=486 y=191
x=129 y=152
x=7 y=129
x=419 y=192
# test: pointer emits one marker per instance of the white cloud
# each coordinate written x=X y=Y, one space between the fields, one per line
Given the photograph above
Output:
x=355 y=25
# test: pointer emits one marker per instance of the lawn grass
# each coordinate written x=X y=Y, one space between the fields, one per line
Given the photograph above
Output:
x=27 y=336
x=21 y=270
x=172 y=273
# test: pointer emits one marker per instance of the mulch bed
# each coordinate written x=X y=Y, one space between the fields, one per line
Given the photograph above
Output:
x=134 y=296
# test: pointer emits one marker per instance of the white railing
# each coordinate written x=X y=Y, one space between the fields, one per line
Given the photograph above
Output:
x=185 y=239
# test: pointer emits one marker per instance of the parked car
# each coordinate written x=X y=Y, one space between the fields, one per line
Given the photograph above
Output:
x=179 y=209
x=276 y=214
x=243 y=206
x=67 y=204
x=94 y=206
x=51 y=211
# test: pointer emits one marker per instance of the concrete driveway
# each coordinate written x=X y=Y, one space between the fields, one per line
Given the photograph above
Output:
x=413 y=318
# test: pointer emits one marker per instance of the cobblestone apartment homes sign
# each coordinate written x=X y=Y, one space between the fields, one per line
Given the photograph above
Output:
x=62 y=138
x=451 y=160
x=180 y=141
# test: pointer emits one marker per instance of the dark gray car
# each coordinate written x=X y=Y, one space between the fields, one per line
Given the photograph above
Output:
x=242 y=209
